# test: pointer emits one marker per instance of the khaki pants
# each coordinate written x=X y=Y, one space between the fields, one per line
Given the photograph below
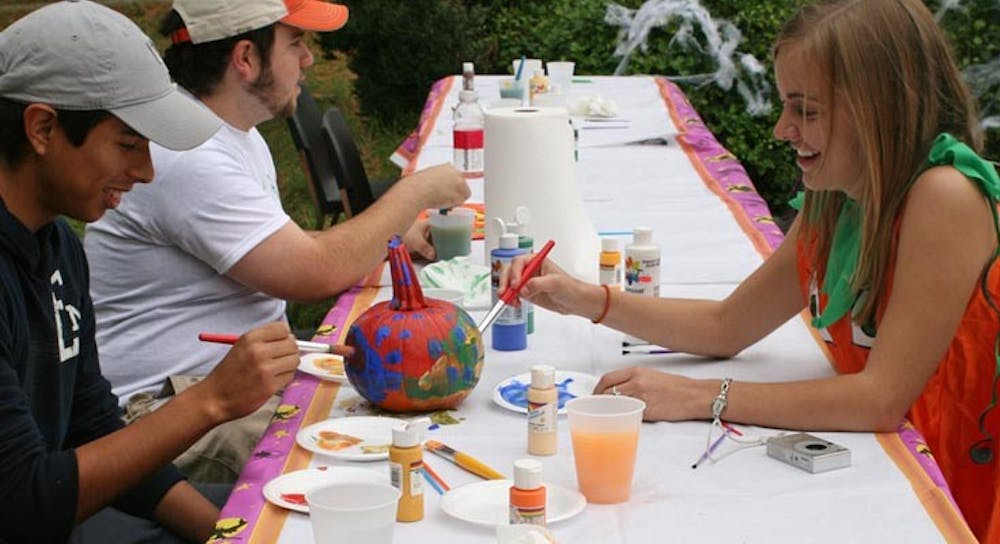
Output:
x=218 y=456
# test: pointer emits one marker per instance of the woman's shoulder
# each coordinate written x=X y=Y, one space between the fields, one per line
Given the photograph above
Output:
x=949 y=191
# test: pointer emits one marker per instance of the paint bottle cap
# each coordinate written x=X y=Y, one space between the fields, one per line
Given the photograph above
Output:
x=643 y=235
x=468 y=67
x=543 y=376
x=527 y=474
x=411 y=434
x=508 y=240
x=610 y=245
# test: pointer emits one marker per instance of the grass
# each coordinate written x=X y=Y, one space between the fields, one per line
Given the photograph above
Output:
x=330 y=82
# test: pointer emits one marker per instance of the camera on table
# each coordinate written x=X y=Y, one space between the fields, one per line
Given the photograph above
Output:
x=808 y=452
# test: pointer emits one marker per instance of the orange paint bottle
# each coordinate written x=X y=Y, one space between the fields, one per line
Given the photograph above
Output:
x=527 y=495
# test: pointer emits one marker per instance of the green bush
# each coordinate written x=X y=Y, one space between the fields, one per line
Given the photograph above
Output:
x=396 y=60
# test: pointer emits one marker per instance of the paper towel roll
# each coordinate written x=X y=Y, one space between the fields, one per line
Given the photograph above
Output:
x=530 y=162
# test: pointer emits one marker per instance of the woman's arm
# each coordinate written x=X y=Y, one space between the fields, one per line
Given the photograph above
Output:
x=946 y=239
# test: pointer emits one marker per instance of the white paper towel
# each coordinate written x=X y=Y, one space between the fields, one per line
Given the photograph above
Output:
x=530 y=162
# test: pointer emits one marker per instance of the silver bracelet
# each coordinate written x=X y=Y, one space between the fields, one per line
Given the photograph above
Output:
x=721 y=400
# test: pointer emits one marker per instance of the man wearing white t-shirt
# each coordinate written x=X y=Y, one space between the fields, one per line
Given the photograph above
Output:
x=207 y=246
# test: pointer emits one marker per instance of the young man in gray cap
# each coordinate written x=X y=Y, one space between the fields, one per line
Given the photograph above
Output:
x=82 y=92
x=208 y=247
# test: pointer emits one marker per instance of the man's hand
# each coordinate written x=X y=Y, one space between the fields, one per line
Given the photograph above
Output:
x=260 y=363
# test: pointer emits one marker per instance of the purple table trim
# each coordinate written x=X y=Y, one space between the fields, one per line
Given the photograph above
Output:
x=269 y=457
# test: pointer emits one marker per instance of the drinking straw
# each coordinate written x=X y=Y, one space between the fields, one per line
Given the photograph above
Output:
x=520 y=68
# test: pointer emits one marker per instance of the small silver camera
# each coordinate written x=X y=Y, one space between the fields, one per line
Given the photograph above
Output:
x=808 y=452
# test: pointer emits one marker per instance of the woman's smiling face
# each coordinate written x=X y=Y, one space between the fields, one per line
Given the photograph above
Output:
x=823 y=135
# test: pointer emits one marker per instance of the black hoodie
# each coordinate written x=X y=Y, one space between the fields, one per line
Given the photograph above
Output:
x=53 y=397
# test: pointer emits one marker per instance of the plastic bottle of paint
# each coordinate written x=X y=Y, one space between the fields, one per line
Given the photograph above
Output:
x=510 y=330
x=469 y=122
x=543 y=411
x=538 y=84
x=642 y=269
x=527 y=495
x=611 y=263
x=642 y=264
x=522 y=216
x=405 y=463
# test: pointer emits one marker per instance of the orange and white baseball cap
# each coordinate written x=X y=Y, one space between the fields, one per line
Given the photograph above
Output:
x=211 y=20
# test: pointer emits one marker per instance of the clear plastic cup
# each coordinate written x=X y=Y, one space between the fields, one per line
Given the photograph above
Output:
x=561 y=74
x=451 y=232
x=353 y=512
x=605 y=433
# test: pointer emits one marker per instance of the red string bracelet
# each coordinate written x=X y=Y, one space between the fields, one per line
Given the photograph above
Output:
x=607 y=305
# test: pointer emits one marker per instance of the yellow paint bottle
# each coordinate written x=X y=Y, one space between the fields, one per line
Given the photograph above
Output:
x=406 y=461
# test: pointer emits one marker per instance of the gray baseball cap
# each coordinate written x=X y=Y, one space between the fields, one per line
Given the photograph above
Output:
x=78 y=55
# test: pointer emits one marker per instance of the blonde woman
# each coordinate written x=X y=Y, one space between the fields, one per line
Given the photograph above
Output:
x=894 y=253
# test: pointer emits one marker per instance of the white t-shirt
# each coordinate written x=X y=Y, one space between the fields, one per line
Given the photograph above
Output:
x=158 y=261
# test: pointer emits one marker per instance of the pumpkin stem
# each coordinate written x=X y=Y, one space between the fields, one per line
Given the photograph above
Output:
x=406 y=293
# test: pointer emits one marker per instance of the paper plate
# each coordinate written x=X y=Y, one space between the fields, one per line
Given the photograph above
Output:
x=362 y=438
x=486 y=503
x=512 y=393
x=288 y=490
x=326 y=366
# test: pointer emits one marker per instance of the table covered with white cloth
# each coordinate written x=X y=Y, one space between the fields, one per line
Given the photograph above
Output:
x=663 y=169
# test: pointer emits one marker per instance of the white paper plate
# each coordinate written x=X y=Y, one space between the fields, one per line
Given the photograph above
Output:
x=299 y=482
x=486 y=503
x=312 y=363
x=512 y=392
x=373 y=432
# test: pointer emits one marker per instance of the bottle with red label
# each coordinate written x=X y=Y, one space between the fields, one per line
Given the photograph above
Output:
x=469 y=122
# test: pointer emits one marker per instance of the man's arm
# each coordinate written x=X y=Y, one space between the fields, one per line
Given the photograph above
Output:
x=260 y=363
x=295 y=265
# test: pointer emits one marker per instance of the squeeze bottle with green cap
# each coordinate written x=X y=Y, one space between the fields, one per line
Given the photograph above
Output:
x=406 y=462
x=527 y=244
x=510 y=332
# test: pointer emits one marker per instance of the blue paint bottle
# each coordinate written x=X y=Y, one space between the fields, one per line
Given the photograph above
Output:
x=510 y=331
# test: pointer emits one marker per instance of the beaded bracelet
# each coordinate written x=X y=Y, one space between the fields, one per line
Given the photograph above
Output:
x=607 y=305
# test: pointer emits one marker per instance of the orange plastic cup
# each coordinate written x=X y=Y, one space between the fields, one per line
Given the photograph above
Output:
x=605 y=433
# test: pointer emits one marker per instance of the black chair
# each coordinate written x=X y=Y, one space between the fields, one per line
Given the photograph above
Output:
x=357 y=190
x=306 y=126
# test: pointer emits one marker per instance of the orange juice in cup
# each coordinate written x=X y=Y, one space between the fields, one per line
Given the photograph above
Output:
x=605 y=433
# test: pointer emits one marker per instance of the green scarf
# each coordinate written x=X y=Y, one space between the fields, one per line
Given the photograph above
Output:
x=846 y=244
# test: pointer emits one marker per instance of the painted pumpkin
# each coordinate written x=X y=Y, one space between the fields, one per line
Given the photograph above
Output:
x=412 y=353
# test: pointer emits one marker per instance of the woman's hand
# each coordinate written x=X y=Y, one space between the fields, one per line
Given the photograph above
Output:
x=554 y=289
x=668 y=397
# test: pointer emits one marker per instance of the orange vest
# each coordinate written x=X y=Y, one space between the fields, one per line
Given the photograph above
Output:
x=947 y=411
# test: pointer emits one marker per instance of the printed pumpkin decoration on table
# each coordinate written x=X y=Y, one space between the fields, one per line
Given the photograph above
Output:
x=412 y=353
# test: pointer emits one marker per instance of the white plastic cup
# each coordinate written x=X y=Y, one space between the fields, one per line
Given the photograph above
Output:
x=561 y=74
x=353 y=512
x=605 y=433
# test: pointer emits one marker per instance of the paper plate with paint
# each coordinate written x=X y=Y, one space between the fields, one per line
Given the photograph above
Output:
x=512 y=393
x=487 y=503
x=361 y=438
x=289 y=490
x=325 y=366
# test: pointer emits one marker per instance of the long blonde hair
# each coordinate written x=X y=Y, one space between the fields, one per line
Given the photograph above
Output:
x=890 y=65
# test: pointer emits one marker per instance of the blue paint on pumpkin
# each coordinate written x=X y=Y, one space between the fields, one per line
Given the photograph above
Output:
x=381 y=334
x=434 y=348
x=405 y=335
x=394 y=357
x=374 y=380
x=398 y=317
